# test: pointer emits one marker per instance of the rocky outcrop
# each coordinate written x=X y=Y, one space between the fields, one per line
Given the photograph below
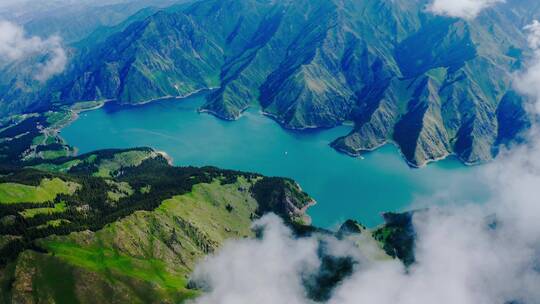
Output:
x=283 y=197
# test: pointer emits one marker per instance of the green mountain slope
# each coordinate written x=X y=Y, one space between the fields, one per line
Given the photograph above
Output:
x=432 y=85
x=151 y=251
x=124 y=224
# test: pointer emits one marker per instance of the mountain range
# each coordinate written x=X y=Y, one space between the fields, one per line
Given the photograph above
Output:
x=433 y=85
x=126 y=226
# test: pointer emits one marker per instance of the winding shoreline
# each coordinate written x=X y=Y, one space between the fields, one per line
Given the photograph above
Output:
x=356 y=154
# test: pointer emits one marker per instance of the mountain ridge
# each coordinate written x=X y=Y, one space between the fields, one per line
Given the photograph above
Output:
x=319 y=64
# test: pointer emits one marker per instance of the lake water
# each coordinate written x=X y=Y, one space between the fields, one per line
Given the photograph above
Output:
x=344 y=187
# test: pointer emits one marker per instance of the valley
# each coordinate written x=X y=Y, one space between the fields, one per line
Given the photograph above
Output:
x=125 y=224
x=269 y=151
x=310 y=65
x=344 y=187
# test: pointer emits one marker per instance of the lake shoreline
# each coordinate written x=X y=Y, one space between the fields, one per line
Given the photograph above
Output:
x=357 y=154
x=344 y=187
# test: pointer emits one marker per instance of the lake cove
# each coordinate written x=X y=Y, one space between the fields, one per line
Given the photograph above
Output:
x=344 y=187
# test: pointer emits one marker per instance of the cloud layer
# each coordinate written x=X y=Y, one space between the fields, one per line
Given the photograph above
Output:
x=259 y=271
x=466 y=253
x=528 y=81
x=466 y=9
x=16 y=46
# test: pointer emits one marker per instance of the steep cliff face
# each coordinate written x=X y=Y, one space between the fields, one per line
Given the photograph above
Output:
x=453 y=77
x=433 y=85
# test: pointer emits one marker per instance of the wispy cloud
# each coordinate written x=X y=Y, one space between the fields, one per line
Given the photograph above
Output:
x=466 y=9
x=266 y=271
x=466 y=253
x=528 y=80
x=15 y=45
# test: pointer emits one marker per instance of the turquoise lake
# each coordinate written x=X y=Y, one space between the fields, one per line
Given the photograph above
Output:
x=344 y=187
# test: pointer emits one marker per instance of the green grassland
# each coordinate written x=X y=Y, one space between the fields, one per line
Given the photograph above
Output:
x=99 y=164
x=13 y=193
x=108 y=262
x=126 y=159
x=58 y=119
x=228 y=209
x=154 y=251
x=46 y=278
x=86 y=105
x=63 y=167
x=53 y=224
x=54 y=154
x=120 y=190
x=32 y=212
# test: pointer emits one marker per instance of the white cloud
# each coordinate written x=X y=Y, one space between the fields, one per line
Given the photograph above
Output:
x=528 y=81
x=466 y=253
x=259 y=271
x=15 y=46
x=460 y=260
x=466 y=9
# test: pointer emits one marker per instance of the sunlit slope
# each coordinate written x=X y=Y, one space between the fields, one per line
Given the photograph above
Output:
x=144 y=258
